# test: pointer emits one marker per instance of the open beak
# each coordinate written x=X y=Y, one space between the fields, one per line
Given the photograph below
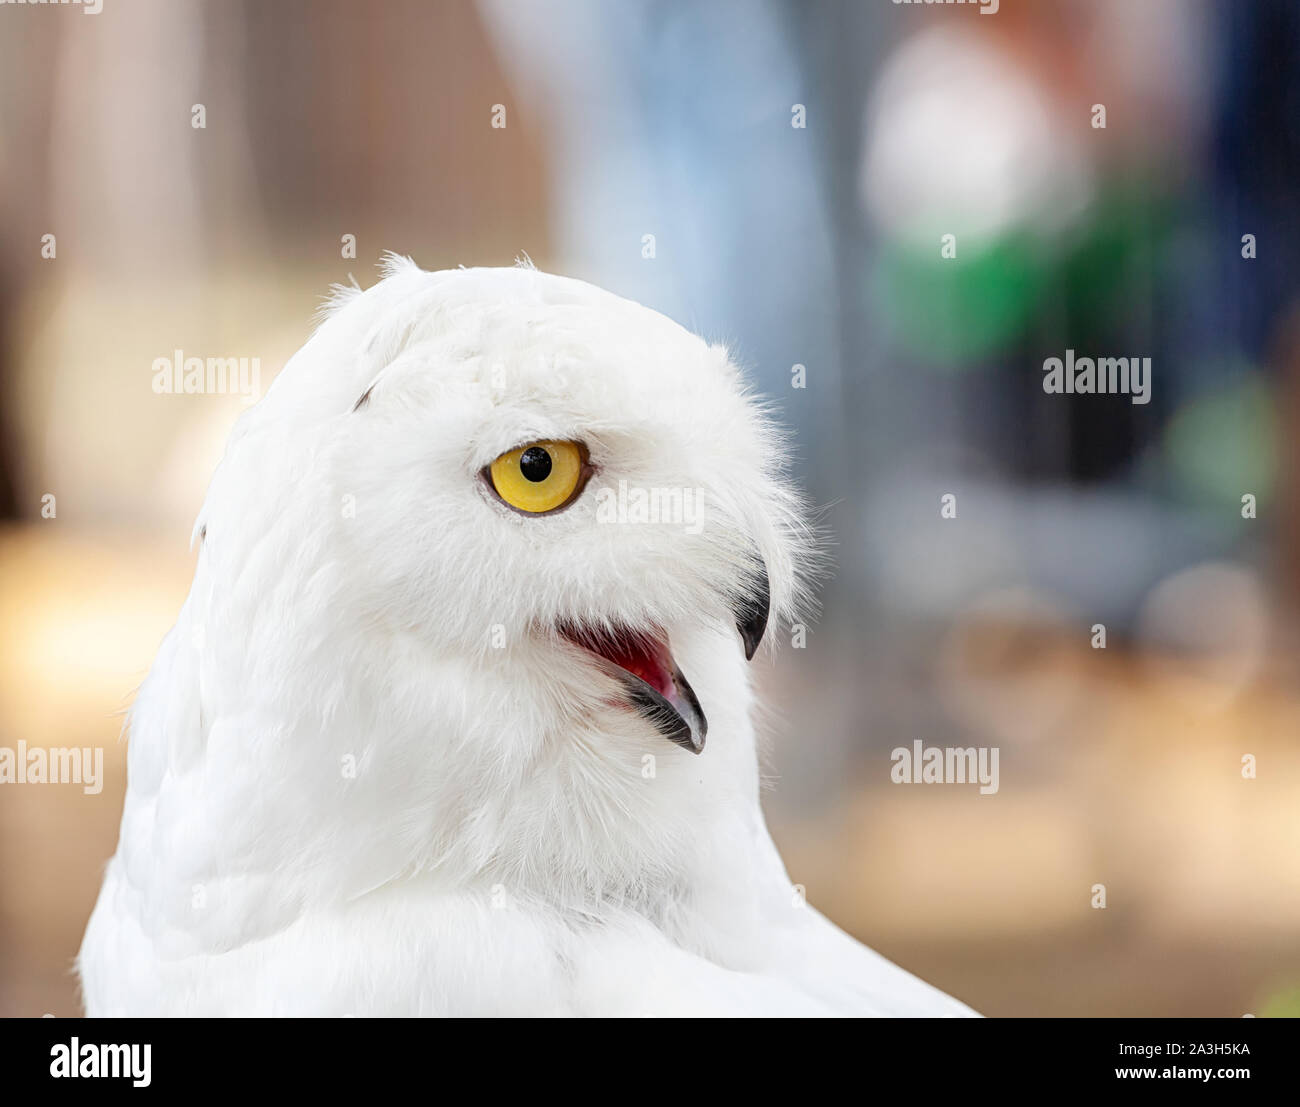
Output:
x=656 y=688
x=642 y=663
x=675 y=714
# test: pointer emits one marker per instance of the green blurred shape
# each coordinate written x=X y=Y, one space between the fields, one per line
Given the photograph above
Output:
x=1282 y=1005
x=1223 y=444
x=1112 y=261
x=1075 y=287
x=954 y=311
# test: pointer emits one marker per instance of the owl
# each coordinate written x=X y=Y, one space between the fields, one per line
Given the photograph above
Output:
x=457 y=717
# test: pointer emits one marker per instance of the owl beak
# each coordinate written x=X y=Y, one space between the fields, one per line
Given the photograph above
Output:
x=677 y=715
x=752 y=611
x=652 y=683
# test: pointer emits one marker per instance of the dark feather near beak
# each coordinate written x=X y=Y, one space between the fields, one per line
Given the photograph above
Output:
x=752 y=611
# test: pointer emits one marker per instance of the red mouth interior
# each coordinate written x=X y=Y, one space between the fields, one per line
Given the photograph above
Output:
x=637 y=653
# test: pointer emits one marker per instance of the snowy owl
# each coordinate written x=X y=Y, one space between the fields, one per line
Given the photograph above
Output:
x=456 y=718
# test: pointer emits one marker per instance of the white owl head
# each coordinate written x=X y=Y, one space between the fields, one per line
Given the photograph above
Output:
x=503 y=533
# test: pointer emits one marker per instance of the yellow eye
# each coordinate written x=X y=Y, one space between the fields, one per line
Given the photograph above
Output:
x=540 y=477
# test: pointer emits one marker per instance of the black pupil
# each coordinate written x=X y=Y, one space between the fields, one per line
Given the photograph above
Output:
x=535 y=464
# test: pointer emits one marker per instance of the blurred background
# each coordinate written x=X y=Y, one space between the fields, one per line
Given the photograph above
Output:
x=779 y=176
